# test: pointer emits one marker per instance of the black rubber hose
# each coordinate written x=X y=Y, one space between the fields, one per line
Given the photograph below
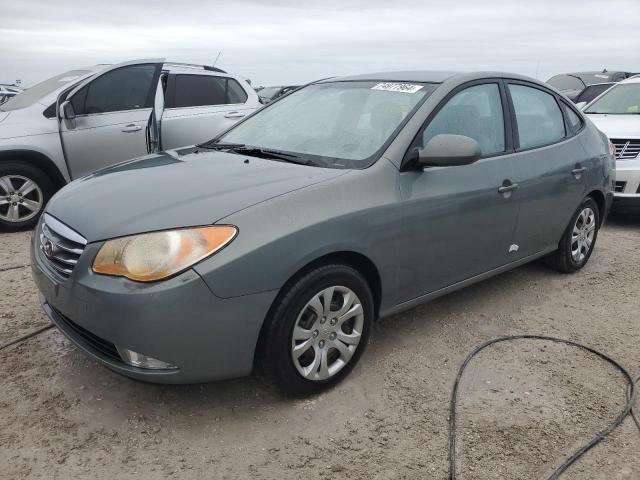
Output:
x=631 y=397
x=25 y=337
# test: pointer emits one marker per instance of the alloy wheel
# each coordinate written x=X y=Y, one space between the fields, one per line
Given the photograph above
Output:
x=20 y=198
x=582 y=235
x=327 y=333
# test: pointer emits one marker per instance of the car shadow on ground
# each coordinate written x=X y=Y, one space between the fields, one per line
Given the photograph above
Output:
x=624 y=219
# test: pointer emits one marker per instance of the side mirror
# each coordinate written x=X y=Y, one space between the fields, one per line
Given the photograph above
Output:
x=66 y=110
x=581 y=105
x=446 y=150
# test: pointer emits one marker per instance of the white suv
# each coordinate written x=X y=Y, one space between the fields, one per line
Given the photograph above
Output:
x=76 y=123
x=617 y=113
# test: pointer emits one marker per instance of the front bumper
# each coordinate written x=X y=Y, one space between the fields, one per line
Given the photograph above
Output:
x=627 y=184
x=179 y=321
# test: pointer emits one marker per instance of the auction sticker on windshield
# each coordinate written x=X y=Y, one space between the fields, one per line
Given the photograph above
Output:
x=397 y=87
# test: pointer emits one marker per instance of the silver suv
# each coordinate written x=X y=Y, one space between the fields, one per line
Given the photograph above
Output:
x=75 y=123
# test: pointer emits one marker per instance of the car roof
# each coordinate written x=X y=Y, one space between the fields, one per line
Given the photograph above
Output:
x=400 y=76
x=431 y=76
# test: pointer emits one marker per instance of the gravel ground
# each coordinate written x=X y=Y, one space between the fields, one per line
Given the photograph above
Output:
x=524 y=406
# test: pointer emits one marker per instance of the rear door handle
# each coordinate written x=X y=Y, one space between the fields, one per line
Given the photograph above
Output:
x=577 y=171
x=234 y=115
x=508 y=188
x=132 y=128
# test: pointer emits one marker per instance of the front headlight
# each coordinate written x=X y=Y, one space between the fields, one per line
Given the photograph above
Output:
x=153 y=256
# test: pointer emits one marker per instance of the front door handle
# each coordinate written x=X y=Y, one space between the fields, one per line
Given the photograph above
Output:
x=132 y=128
x=508 y=187
x=234 y=115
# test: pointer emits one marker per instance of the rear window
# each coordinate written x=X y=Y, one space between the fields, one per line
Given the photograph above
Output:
x=566 y=82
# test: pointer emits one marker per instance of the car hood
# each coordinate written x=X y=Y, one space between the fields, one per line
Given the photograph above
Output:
x=174 y=189
x=617 y=126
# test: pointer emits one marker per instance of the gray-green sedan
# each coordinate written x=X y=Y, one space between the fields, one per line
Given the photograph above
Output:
x=275 y=245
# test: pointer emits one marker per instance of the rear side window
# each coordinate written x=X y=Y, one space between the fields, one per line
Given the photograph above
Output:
x=538 y=116
x=201 y=90
x=126 y=88
x=474 y=112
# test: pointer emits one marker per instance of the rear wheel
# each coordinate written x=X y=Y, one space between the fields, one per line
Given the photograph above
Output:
x=578 y=240
x=24 y=191
x=318 y=330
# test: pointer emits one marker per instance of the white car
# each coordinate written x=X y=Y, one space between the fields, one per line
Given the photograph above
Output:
x=76 y=123
x=8 y=91
x=617 y=113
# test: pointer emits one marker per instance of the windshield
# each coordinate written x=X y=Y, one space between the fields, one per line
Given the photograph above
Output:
x=622 y=99
x=338 y=124
x=41 y=90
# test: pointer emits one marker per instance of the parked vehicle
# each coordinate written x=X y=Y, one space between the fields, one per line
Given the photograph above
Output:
x=591 y=92
x=269 y=94
x=8 y=91
x=83 y=120
x=572 y=84
x=617 y=113
x=349 y=199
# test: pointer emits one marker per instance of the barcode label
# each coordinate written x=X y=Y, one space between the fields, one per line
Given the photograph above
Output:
x=397 y=87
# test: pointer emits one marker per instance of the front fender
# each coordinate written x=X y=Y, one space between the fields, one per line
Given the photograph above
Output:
x=359 y=212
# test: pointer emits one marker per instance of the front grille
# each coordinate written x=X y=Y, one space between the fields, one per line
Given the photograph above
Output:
x=60 y=247
x=98 y=344
x=626 y=149
x=620 y=186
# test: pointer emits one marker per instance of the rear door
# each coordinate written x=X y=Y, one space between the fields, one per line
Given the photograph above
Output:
x=551 y=166
x=112 y=117
x=198 y=106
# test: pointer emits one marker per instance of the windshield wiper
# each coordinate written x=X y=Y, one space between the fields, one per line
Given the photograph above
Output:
x=268 y=153
x=254 y=151
x=220 y=145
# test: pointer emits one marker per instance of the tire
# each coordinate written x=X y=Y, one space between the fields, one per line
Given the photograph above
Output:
x=15 y=174
x=573 y=250
x=293 y=309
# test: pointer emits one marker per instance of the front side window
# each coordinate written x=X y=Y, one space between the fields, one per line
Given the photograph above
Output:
x=474 y=112
x=126 y=88
x=202 y=90
x=623 y=99
x=333 y=124
x=538 y=116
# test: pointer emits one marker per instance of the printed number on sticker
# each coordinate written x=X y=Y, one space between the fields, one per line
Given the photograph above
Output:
x=397 y=87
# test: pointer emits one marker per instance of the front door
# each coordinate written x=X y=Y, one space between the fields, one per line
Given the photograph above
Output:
x=459 y=222
x=112 y=117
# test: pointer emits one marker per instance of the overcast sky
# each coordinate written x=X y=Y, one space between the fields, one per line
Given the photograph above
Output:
x=279 y=42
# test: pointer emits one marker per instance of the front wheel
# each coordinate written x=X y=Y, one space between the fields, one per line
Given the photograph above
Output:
x=579 y=239
x=24 y=191
x=318 y=330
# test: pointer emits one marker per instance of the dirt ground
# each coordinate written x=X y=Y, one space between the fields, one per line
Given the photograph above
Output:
x=523 y=408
